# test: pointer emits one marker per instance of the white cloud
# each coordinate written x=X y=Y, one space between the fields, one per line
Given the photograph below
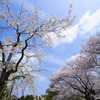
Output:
x=69 y=35
x=50 y=69
x=89 y=23
x=42 y=78
x=54 y=60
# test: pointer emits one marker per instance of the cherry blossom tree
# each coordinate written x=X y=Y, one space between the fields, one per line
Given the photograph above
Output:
x=23 y=34
x=80 y=77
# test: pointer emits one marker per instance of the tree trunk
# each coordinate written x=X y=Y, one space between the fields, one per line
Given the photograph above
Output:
x=3 y=88
x=89 y=97
x=3 y=83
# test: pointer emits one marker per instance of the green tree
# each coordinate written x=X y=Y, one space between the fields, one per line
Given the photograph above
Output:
x=49 y=93
x=29 y=97
x=22 y=98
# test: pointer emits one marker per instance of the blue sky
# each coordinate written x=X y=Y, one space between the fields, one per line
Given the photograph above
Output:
x=87 y=23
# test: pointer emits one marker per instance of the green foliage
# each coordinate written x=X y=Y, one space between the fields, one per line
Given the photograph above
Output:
x=49 y=96
x=30 y=97
x=49 y=93
x=22 y=98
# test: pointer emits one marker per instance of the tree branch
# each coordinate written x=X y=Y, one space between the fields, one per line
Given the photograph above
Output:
x=13 y=48
x=24 y=48
x=17 y=77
